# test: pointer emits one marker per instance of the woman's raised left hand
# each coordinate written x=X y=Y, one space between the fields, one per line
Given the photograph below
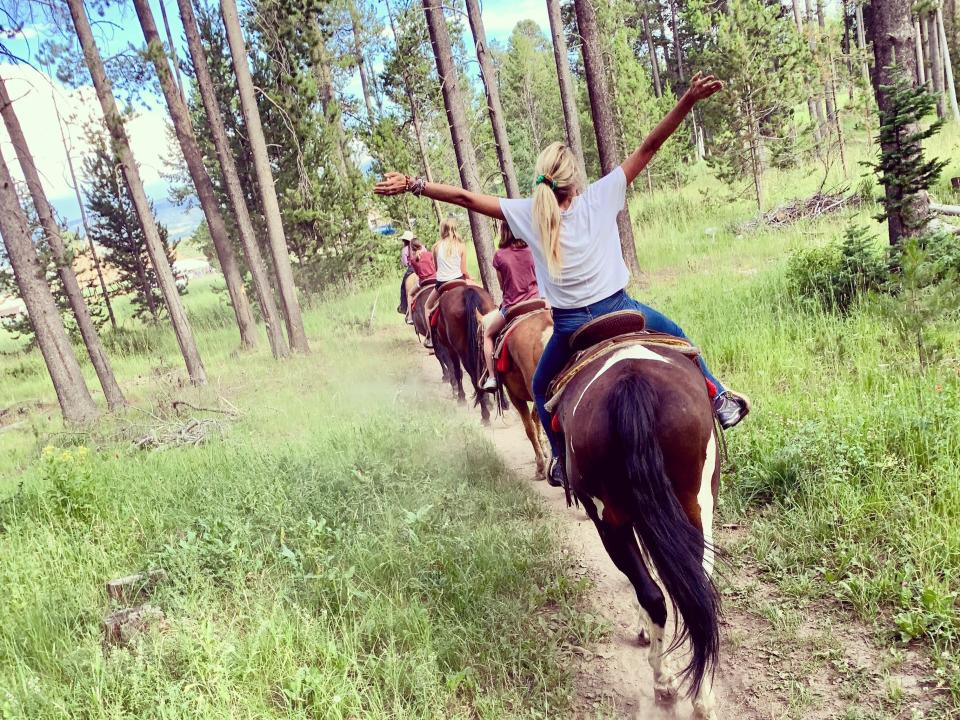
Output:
x=393 y=183
x=703 y=87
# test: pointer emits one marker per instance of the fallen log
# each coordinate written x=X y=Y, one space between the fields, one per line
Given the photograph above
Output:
x=945 y=209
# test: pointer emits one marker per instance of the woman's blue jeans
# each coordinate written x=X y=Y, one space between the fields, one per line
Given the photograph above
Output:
x=566 y=322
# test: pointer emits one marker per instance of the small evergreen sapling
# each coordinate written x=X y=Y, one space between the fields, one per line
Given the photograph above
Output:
x=904 y=172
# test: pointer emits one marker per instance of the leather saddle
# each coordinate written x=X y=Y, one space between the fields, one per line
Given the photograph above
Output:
x=527 y=306
x=515 y=315
x=422 y=293
x=604 y=336
x=452 y=284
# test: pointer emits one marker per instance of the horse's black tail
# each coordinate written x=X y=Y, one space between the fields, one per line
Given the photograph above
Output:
x=673 y=543
x=473 y=304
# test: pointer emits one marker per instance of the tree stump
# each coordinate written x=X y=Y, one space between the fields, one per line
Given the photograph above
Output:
x=123 y=627
x=135 y=589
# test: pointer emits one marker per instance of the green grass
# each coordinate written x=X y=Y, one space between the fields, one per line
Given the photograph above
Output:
x=848 y=470
x=343 y=551
x=345 y=540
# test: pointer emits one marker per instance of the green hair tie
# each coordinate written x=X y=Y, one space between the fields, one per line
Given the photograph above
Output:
x=548 y=180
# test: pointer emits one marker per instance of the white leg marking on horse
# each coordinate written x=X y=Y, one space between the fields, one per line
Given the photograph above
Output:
x=703 y=703
x=644 y=624
x=632 y=352
x=705 y=500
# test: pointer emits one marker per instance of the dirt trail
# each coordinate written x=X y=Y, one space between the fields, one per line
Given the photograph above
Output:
x=778 y=659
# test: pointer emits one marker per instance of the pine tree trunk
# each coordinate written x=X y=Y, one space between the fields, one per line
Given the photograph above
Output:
x=75 y=401
x=817 y=99
x=198 y=174
x=358 y=57
x=654 y=63
x=83 y=215
x=811 y=102
x=415 y=116
x=918 y=36
x=131 y=175
x=231 y=181
x=862 y=45
x=460 y=133
x=91 y=338
x=948 y=67
x=837 y=121
x=893 y=43
x=603 y=121
x=677 y=48
x=568 y=97
x=936 y=64
x=328 y=103
x=268 y=193
x=173 y=52
x=825 y=78
x=494 y=108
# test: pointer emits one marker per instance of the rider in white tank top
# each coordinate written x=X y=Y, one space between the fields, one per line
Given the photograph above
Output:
x=448 y=266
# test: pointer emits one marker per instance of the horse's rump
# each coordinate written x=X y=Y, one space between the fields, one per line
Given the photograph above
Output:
x=640 y=446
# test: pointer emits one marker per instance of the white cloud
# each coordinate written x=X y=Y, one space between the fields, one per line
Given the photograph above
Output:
x=31 y=90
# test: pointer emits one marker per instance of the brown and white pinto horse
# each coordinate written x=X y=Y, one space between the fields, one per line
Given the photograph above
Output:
x=524 y=346
x=459 y=332
x=642 y=458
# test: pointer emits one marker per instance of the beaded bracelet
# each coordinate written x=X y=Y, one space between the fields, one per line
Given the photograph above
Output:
x=416 y=185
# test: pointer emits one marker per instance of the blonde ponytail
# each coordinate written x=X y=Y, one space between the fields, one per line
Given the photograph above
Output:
x=557 y=180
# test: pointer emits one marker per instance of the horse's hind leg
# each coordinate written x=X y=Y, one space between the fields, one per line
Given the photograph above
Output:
x=532 y=429
x=456 y=382
x=621 y=544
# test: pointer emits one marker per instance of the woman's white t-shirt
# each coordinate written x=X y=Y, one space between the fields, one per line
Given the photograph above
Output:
x=591 y=261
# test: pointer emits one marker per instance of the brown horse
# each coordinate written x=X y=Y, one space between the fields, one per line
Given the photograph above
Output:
x=642 y=458
x=459 y=332
x=421 y=326
x=524 y=346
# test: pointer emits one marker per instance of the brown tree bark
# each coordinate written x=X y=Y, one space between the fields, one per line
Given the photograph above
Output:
x=131 y=175
x=936 y=63
x=677 y=48
x=460 y=134
x=494 y=108
x=654 y=62
x=198 y=174
x=91 y=338
x=603 y=121
x=568 y=97
x=893 y=45
x=355 y=23
x=415 y=116
x=918 y=38
x=75 y=401
x=231 y=181
x=173 y=52
x=268 y=193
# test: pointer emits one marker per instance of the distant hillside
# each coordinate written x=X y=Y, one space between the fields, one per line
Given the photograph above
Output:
x=181 y=222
